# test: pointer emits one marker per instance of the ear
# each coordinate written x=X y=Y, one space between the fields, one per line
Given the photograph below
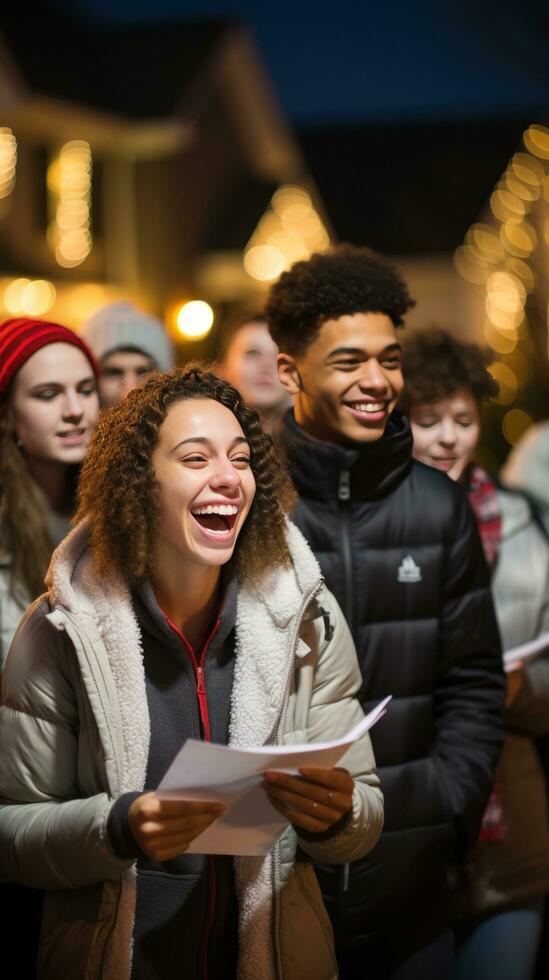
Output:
x=288 y=374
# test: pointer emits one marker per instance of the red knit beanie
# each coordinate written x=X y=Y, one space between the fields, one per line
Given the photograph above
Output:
x=21 y=337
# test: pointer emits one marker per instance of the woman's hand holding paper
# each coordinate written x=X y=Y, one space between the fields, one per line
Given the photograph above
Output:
x=315 y=800
x=164 y=828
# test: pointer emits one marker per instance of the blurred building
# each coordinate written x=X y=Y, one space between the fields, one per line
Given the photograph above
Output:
x=151 y=163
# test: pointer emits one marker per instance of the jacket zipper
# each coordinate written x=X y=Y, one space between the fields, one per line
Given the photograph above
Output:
x=344 y=496
x=202 y=697
x=274 y=738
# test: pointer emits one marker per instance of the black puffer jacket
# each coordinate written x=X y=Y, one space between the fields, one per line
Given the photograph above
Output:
x=399 y=547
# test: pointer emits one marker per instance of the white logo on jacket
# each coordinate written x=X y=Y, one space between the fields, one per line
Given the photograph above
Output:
x=408 y=570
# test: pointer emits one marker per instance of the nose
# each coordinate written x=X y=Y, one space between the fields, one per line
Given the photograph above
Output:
x=447 y=433
x=73 y=409
x=267 y=365
x=373 y=378
x=225 y=477
x=130 y=381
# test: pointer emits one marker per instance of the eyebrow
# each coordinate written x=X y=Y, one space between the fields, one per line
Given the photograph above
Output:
x=60 y=384
x=208 y=442
x=360 y=351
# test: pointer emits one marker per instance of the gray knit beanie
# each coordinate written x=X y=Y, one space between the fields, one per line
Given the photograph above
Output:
x=121 y=325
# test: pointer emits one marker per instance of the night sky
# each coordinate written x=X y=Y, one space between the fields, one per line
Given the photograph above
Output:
x=389 y=61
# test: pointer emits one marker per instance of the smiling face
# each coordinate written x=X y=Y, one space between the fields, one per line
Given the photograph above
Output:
x=446 y=432
x=206 y=485
x=250 y=365
x=54 y=404
x=348 y=380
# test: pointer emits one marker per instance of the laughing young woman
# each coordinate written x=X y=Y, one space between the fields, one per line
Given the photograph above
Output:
x=182 y=605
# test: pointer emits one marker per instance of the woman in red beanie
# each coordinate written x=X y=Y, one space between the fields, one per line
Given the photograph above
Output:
x=48 y=409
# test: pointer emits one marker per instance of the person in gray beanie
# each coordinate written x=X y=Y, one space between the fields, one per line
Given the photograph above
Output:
x=128 y=344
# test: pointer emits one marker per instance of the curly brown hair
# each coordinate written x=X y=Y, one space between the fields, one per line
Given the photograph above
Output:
x=342 y=281
x=118 y=493
x=435 y=364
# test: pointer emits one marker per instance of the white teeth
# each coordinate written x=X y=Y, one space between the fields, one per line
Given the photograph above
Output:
x=225 y=510
x=370 y=406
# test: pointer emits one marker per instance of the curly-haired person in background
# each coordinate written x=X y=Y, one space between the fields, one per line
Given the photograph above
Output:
x=182 y=605
x=399 y=547
x=500 y=893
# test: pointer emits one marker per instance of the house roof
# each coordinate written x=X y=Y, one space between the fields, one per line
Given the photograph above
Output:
x=405 y=189
x=138 y=72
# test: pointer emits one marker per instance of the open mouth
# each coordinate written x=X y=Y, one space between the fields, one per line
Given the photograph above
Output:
x=71 y=435
x=218 y=519
x=367 y=411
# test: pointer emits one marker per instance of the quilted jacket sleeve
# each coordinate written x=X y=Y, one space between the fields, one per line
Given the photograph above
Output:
x=470 y=684
x=333 y=710
x=51 y=835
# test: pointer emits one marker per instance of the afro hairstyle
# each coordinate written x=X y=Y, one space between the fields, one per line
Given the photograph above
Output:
x=342 y=281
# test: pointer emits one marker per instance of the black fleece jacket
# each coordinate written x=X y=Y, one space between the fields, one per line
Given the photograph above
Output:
x=398 y=545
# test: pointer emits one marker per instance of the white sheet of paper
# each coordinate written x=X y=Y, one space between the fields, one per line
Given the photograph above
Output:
x=204 y=771
x=526 y=651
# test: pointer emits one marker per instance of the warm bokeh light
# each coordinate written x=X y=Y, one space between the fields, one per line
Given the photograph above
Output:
x=502 y=343
x=515 y=422
x=13 y=294
x=8 y=161
x=519 y=363
x=69 y=184
x=194 y=319
x=290 y=230
x=536 y=140
x=292 y=203
x=486 y=241
x=527 y=192
x=506 y=206
x=468 y=266
x=524 y=272
x=527 y=169
x=507 y=381
x=264 y=262
x=31 y=297
x=519 y=240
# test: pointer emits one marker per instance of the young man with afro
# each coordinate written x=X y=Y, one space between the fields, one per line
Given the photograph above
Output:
x=398 y=545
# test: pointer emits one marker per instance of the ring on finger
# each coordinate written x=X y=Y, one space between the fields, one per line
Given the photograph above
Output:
x=315 y=804
x=329 y=797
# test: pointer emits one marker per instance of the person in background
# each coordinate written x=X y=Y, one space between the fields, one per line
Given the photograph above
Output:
x=399 y=547
x=527 y=469
x=182 y=605
x=129 y=345
x=48 y=409
x=248 y=361
x=500 y=894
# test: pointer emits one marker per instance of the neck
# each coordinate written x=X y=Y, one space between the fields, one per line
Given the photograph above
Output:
x=51 y=477
x=310 y=425
x=188 y=597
